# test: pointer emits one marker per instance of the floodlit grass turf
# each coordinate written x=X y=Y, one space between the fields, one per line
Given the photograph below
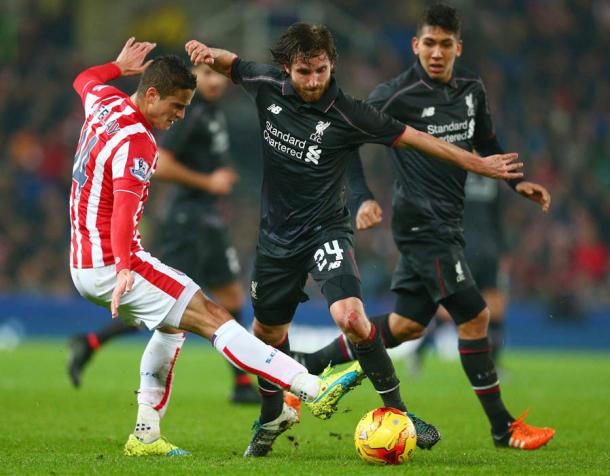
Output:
x=50 y=428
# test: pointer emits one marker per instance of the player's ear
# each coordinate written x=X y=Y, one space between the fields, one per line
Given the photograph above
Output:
x=415 y=45
x=287 y=69
x=151 y=94
x=460 y=47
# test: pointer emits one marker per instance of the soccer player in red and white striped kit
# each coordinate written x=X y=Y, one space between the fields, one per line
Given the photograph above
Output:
x=115 y=159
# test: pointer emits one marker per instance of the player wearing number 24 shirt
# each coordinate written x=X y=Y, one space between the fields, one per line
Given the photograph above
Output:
x=309 y=131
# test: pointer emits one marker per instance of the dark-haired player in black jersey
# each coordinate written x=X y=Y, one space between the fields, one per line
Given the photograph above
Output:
x=450 y=103
x=194 y=155
x=310 y=130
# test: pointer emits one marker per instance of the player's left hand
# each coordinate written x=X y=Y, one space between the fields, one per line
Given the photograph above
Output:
x=124 y=283
x=369 y=215
x=536 y=193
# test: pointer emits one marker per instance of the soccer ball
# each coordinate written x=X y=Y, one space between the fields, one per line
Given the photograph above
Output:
x=385 y=436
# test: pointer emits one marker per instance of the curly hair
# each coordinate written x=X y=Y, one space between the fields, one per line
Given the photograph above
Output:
x=442 y=16
x=167 y=74
x=304 y=41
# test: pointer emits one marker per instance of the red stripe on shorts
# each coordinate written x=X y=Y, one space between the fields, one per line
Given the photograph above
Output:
x=439 y=277
x=156 y=277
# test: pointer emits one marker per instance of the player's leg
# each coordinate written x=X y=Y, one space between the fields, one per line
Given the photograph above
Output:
x=392 y=328
x=156 y=381
x=341 y=286
x=276 y=290
x=471 y=315
x=496 y=302
x=82 y=347
x=162 y=297
x=219 y=273
x=207 y=319
x=492 y=279
x=231 y=297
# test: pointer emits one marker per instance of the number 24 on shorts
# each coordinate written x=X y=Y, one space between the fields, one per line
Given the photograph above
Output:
x=333 y=252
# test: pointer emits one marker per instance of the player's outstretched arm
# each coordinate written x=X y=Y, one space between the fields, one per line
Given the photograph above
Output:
x=219 y=60
x=129 y=62
x=499 y=166
x=536 y=193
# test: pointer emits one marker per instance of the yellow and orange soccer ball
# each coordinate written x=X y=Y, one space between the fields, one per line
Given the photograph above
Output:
x=385 y=436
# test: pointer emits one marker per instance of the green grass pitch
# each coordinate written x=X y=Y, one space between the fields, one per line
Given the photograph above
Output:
x=50 y=428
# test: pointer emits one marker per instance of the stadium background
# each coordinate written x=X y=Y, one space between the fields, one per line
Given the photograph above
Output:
x=546 y=69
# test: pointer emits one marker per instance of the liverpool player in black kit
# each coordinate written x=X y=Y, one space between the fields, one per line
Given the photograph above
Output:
x=310 y=129
x=194 y=155
x=449 y=103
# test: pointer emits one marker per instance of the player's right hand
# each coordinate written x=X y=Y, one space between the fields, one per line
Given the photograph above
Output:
x=199 y=53
x=221 y=181
x=500 y=166
x=124 y=283
x=369 y=215
x=132 y=56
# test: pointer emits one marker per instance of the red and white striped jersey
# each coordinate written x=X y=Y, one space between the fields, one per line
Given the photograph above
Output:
x=115 y=157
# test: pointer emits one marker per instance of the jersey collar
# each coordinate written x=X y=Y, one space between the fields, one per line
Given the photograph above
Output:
x=323 y=104
x=421 y=72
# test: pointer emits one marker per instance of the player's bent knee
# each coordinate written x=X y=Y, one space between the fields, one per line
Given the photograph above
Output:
x=475 y=328
x=231 y=296
x=203 y=316
x=349 y=315
x=404 y=329
x=272 y=335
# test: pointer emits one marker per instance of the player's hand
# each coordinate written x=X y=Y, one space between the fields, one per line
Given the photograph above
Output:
x=369 y=215
x=124 y=283
x=500 y=166
x=132 y=56
x=536 y=193
x=221 y=181
x=199 y=53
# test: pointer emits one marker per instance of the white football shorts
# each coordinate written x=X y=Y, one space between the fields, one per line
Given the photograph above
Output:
x=158 y=297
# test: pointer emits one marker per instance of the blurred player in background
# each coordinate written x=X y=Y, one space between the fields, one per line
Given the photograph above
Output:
x=428 y=202
x=194 y=155
x=115 y=159
x=310 y=129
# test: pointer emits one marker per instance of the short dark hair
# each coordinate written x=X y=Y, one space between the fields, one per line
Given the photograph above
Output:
x=442 y=16
x=304 y=41
x=167 y=74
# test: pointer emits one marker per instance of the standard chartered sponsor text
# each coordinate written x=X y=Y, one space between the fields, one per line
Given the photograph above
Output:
x=466 y=126
x=281 y=141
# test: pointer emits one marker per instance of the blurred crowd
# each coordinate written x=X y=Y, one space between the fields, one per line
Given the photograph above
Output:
x=546 y=70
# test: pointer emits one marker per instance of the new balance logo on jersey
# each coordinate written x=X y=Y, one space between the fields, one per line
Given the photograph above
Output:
x=274 y=109
x=428 y=111
x=459 y=272
x=313 y=154
x=321 y=126
x=140 y=169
